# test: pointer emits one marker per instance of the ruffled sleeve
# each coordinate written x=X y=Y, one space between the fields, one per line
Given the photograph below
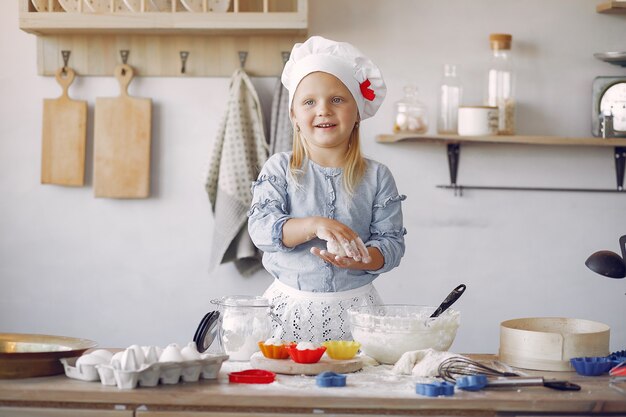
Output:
x=387 y=230
x=270 y=205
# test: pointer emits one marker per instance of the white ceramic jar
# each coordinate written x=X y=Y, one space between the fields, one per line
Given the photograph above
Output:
x=478 y=121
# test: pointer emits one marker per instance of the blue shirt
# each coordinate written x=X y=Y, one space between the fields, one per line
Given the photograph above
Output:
x=374 y=212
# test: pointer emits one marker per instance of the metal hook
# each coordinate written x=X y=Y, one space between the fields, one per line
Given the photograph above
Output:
x=243 y=55
x=66 y=59
x=124 y=54
x=286 y=56
x=183 y=59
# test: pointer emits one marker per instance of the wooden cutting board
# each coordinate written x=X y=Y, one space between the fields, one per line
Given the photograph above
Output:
x=122 y=142
x=289 y=367
x=64 y=133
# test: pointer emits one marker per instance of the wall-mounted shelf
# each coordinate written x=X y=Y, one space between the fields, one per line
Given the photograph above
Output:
x=454 y=142
x=263 y=28
x=612 y=7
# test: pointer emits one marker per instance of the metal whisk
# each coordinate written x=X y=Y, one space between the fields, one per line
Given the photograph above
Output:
x=454 y=367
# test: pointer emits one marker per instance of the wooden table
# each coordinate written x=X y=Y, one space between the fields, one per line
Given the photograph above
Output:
x=372 y=392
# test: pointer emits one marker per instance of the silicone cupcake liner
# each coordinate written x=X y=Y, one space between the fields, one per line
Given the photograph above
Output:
x=274 y=351
x=619 y=356
x=592 y=366
x=341 y=349
x=306 y=355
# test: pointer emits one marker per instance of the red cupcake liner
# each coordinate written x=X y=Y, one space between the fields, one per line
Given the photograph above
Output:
x=307 y=355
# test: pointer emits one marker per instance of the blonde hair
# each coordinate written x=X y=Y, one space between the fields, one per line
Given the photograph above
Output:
x=354 y=166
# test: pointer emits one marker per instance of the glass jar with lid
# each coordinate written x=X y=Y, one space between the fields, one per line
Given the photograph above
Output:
x=500 y=92
x=243 y=322
x=411 y=114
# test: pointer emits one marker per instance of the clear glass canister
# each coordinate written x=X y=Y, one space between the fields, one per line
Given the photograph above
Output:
x=500 y=91
x=244 y=321
x=411 y=114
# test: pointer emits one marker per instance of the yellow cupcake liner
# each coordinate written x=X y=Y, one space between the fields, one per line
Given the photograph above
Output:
x=341 y=349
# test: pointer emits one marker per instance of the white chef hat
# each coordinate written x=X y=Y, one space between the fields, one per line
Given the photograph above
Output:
x=344 y=61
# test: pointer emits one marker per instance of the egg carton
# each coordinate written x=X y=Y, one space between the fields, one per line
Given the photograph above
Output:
x=148 y=375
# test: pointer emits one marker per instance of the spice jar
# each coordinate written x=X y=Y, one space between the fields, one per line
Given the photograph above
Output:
x=411 y=114
x=244 y=321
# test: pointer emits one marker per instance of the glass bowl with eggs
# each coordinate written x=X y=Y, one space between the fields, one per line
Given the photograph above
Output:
x=385 y=332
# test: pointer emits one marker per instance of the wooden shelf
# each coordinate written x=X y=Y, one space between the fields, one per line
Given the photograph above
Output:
x=164 y=23
x=501 y=139
x=611 y=7
x=262 y=28
x=454 y=142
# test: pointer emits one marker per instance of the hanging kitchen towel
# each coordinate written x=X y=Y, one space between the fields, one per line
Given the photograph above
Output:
x=281 y=131
x=239 y=152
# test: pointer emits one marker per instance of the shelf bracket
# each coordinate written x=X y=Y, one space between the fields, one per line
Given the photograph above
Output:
x=620 y=162
x=454 y=154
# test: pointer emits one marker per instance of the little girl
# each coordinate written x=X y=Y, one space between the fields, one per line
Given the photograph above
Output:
x=328 y=220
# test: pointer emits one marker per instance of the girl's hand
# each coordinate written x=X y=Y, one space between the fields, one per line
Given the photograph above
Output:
x=338 y=234
x=339 y=261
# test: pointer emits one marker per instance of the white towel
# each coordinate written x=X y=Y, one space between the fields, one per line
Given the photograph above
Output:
x=239 y=152
x=423 y=363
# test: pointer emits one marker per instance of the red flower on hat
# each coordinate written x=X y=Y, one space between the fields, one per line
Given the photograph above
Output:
x=367 y=92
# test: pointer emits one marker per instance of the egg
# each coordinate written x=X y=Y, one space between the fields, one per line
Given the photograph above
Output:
x=190 y=352
x=116 y=360
x=91 y=360
x=171 y=354
x=103 y=353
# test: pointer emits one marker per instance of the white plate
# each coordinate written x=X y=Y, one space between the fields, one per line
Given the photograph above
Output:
x=219 y=6
x=151 y=5
x=89 y=6
x=160 y=5
x=195 y=6
x=70 y=6
x=42 y=6
x=97 y=6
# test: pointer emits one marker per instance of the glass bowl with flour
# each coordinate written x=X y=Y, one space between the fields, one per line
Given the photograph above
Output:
x=385 y=332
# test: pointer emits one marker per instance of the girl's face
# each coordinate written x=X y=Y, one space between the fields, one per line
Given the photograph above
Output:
x=325 y=111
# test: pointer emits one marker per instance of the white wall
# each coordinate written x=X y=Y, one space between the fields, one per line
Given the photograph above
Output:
x=123 y=272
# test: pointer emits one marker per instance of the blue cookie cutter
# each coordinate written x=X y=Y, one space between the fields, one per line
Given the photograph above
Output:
x=472 y=382
x=435 y=389
x=330 y=379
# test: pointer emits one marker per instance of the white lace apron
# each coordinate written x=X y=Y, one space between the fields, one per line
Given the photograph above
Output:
x=316 y=316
